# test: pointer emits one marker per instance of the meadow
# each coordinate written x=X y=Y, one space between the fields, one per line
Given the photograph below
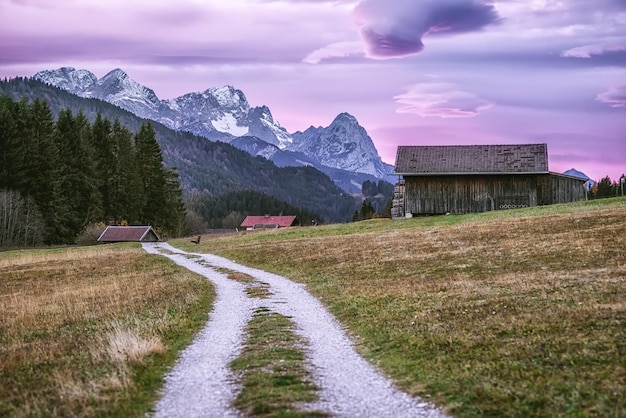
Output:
x=91 y=331
x=509 y=313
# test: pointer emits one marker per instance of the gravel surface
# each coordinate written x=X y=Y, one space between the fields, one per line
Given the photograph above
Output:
x=201 y=384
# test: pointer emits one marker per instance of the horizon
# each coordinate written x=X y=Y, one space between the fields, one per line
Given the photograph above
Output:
x=412 y=72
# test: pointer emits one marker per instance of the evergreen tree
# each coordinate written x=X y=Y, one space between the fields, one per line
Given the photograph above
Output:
x=605 y=188
x=101 y=133
x=77 y=181
x=42 y=174
x=367 y=212
x=8 y=133
x=123 y=185
x=161 y=200
x=91 y=203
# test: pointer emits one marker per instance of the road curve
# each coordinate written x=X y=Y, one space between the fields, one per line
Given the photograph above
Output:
x=201 y=384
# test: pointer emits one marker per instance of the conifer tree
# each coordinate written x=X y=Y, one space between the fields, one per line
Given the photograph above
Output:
x=8 y=133
x=101 y=145
x=77 y=181
x=161 y=203
x=91 y=203
x=605 y=188
x=123 y=195
x=41 y=180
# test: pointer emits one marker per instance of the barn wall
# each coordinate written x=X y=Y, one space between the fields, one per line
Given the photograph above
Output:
x=560 y=189
x=467 y=194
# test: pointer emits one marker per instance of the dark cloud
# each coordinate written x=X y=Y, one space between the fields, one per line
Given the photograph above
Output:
x=396 y=28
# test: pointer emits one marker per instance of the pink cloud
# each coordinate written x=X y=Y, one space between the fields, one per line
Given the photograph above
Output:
x=440 y=100
x=615 y=96
x=335 y=50
x=588 y=51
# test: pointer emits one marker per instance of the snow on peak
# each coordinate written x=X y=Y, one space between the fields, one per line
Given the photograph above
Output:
x=229 y=97
x=344 y=144
x=346 y=118
x=221 y=113
x=68 y=78
x=116 y=73
x=228 y=124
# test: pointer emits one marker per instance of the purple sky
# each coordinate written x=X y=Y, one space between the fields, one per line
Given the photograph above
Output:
x=413 y=72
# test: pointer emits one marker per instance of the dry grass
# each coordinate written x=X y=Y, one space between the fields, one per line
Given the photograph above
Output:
x=89 y=331
x=513 y=313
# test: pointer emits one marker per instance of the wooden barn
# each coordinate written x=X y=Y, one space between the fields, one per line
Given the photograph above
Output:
x=478 y=178
x=128 y=234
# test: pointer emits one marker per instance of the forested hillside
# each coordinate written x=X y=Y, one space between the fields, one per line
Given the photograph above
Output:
x=206 y=168
x=57 y=177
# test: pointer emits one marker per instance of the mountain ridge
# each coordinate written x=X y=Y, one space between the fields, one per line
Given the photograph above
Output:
x=206 y=167
x=223 y=114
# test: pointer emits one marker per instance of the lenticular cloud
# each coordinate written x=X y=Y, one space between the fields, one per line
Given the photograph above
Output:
x=395 y=28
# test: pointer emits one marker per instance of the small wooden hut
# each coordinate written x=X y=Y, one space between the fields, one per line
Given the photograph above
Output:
x=128 y=234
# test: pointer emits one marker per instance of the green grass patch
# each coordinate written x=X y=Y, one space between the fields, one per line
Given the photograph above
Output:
x=91 y=331
x=272 y=370
x=507 y=313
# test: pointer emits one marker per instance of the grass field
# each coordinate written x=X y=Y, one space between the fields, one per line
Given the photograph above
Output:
x=91 y=331
x=509 y=313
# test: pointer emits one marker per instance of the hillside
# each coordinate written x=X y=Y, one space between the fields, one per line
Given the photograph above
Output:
x=205 y=167
x=507 y=313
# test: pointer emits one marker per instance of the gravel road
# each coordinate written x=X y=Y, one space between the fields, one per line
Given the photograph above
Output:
x=201 y=384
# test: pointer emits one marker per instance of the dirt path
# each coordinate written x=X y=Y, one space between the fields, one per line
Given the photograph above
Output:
x=201 y=383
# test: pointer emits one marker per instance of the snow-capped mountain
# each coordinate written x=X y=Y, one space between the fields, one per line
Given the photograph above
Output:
x=344 y=144
x=262 y=125
x=223 y=113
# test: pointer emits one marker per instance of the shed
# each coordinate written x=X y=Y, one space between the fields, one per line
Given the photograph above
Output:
x=478 y=178
x=268 y=221
x=128 y=234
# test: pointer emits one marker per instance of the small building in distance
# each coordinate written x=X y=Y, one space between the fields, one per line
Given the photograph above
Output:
x=128 y=234
x=268 y=222
x=478 y=178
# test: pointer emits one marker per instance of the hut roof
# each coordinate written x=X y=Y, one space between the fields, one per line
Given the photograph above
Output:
x=268 y=221
x=472 y=159
x=128 y=233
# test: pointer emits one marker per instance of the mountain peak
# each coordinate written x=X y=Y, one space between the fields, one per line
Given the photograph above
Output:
x=576 y=173
x=68 y=78
x=229 y=97
x=346 y=118
x=344 y=145
x=116 y=73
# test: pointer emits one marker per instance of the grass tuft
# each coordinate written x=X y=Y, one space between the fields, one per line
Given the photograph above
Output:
x=272 y=370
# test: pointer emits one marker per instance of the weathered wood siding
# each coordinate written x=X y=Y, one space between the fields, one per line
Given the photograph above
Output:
x=560 y=189
x=481 y=193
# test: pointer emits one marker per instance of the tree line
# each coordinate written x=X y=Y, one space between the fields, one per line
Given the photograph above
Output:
x=59 y=176
x=608 y=188
x=377 y=201
x=230 y=209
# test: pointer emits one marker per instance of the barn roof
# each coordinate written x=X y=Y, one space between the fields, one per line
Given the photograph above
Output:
x=268 y=221
x=472 y=159
x=128 y=233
